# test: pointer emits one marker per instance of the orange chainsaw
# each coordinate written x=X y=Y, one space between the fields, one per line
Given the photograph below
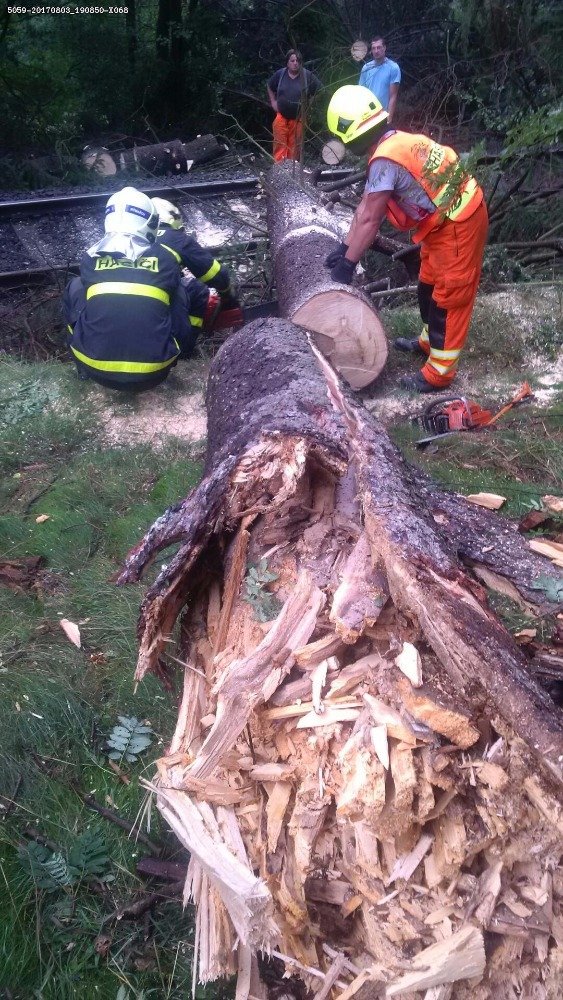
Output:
x=218 y=318
x=456 y=413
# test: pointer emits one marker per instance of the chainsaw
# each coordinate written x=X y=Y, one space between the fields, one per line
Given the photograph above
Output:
x=216 y=318
x=456 y=413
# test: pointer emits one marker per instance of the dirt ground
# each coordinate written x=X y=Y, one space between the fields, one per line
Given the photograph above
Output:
x=177 y=407
x=174 y=409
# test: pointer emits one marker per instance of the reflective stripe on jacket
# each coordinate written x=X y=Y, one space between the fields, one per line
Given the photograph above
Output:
x=440 y=174
x=127 y=328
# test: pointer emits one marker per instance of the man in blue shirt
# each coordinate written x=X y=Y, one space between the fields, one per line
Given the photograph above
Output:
x=382 y=76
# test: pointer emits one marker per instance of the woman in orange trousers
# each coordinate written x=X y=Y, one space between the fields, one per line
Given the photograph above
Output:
x=289 y=90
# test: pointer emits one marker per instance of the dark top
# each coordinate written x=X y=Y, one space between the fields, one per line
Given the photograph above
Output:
x=288 y=90
x=127 y=315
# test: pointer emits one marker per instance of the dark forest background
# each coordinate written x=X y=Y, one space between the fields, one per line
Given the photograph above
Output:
x=181 y=67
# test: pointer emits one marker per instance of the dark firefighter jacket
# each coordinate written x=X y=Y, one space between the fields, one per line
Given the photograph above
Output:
x=126 y=329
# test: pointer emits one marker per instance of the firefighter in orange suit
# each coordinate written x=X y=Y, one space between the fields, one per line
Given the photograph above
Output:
x=417 y=184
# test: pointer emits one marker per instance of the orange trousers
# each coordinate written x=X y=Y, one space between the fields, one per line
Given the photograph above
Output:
x=451 y=257
x=288 y=135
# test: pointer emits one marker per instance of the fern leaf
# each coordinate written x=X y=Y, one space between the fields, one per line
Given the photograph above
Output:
x=88 y=855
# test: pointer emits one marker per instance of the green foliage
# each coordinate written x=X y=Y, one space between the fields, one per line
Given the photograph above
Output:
x=129 y=739
x=265 y=605
x=553 y=589
x=29 y=398
x=51 y=870
x=500 y=267
x=539 y=129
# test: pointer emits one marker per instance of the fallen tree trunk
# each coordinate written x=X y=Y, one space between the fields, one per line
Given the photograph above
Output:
x=174 y=157
x=364 y=773
x=341 y=318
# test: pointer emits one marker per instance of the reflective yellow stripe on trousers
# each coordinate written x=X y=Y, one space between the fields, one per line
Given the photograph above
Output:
x=126 y=367
x=437 y=356
x=128 y=288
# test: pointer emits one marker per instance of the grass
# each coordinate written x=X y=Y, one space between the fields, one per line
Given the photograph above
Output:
x=60 y=703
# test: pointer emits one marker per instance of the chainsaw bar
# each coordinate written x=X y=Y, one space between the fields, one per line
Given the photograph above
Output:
x=260 y=310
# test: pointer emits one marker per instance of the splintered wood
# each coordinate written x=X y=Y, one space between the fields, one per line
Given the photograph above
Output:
x=313 y=807
x=350 y=802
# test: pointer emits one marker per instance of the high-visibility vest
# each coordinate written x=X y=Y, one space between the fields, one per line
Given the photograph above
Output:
x=440 y=174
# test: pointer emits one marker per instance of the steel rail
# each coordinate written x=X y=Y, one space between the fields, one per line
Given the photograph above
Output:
x=35 y=275
x=33 y=206
x=209 y=189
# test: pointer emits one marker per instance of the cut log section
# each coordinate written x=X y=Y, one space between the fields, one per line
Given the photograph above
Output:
x=174 y=157
x=333 y=152
x=373 y=833
x=341 y=318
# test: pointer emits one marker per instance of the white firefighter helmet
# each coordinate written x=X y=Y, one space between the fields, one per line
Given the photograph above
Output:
x=168 y=214
x=132 y=213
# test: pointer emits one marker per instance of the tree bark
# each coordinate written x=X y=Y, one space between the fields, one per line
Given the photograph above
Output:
x=174 y=157
x=341 y=319
x=309 y=777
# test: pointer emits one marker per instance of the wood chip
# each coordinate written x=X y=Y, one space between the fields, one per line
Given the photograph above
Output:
x=406 y=865
x=384 y=715
x=492 y=501
x=552 y=550
x=293 y=711
x=71 y=631
x=409 y=663
x=461 y=956
x=361 y=979
x=492 y=775
x=328 y=718
x=380 y=743
x=553 y=504
x=423 y=705
x=271 y=772
x=548 y=806
x=275 y=812
x=318 y=679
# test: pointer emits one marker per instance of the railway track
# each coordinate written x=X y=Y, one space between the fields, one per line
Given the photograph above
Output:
x=42 y=239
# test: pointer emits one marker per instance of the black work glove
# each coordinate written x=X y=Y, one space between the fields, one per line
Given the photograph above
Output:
x=229 y=301
x=343 y=271
x=229 y=297
x=334 y=256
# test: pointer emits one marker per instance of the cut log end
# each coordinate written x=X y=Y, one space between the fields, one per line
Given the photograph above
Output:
x=348 y=333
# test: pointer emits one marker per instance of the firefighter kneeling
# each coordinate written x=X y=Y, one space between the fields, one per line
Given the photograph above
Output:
x=131 y=314
x=417 y=184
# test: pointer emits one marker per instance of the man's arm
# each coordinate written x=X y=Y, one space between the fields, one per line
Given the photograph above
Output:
x=365 y=224
x=393 y=91
x=203 y=265
x=272 y=88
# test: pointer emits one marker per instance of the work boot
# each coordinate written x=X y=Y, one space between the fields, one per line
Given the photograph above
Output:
x=409 y=345
x=417 y=383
